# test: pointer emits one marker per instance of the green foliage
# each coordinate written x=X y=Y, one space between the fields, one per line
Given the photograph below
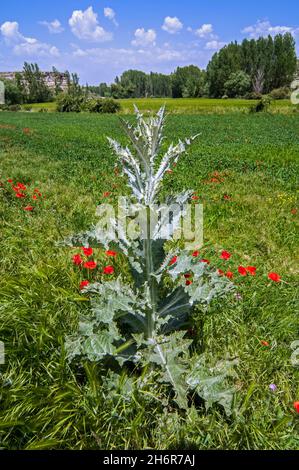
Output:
x=263 y=105
x=32 y=83
x=280 y=93
x=13 y=93
x=237 y=85
x=103 y=105
x=269 y=62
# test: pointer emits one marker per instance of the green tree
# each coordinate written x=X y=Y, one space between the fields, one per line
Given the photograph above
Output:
x=239 y=84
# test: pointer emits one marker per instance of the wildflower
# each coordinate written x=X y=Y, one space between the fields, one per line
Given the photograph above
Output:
x=84 y=284
x=225 y=255
x=251 y=270
x=238 y=296
x=195 y=198
x=173 y=260
x=188 y=282
x=195 y=253
x=90 y=265
x=87 y=251
x=242 y=271
x=296 y=406
x=106 y=194
x=108 y=270
x=294 y=211
x=187 y=275
x=20 y=195
x=9 y=180
x=274 y=277
x=273 y=387
x=205 y=261
x=265 y=343
x=28 y=208
x=111 y=253
x=229 y=274
x=34 y=197
x=220 y=272
x=226 y=197
x=169 y=171
x=77 y=260
x=21 y=186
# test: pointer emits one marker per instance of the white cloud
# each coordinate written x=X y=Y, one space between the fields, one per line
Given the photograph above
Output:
x=110 y=14
x=144 y=38
x=54 y=27
x=214 y=45
x=25 y=46
x=204 y=30
x=172 y=25
x=85 y=25
x=264 y=28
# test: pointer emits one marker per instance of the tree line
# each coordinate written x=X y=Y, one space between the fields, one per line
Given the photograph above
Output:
x=250 y=69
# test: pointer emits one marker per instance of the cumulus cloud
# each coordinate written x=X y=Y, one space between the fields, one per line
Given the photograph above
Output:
x=172 y=25
x=85 y=25
x=22 y=45
x=204 y=30
x=54 y=27
x=110 y=14
x=264 y=28
x=214 y=45
x=144 y=38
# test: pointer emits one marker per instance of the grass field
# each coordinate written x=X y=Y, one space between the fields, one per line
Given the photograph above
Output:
x=250 y=209
x=187 y=105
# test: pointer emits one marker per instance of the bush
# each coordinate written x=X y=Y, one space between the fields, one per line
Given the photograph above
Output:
x=253 y=96
x=43 y=110
x=280 y=93
x=262 y=106
x=27 y=107
x=14 y=107
x=70 y=103
x=103 y=105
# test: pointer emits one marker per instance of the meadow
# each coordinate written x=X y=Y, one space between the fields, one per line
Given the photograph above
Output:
x=185 y=105
x=244 y=170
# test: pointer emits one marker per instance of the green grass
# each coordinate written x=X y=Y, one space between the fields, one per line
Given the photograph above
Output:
x=47 y=403
x=186 y=105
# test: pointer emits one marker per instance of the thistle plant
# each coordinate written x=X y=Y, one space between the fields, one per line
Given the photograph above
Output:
x=144 y=321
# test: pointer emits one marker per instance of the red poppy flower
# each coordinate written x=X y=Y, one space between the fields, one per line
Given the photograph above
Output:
x=274 y=277
x=188 y=282
x=173 y=260
x=251 y=270
x=220 y=272
x=195 y=198
x=195 y=253
x=265 y=343
x=294 y=211
x=226 y=197
x=111 y=253
x=106 y=194
x=90 y=265
x=28 y=208
x=20 y=195
x=9 y=180
x=296 y=406
x=242 y=271
x=87 y=251
x=77 y=260
x=21 y=186
x=84 y=284
x=187 y=275
x=229 y=274
x=108 y=270
x=205 y=261
x=34 y=197
x=225 y=255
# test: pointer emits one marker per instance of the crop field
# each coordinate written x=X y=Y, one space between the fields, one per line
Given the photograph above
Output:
x=243 y=168
x=185 y=105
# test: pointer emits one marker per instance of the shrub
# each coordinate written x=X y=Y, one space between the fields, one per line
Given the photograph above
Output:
x=103 y=105
x=70 y=103
x=262 y=106
x=142 y=325
x=280 y=93
x=43 y=110
x=253 y=95
x=27 y=107
x=14 y=107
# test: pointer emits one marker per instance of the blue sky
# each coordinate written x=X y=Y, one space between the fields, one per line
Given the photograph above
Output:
x=100 y=39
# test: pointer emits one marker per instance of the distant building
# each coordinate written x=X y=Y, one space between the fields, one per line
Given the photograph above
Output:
x=49 y=78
